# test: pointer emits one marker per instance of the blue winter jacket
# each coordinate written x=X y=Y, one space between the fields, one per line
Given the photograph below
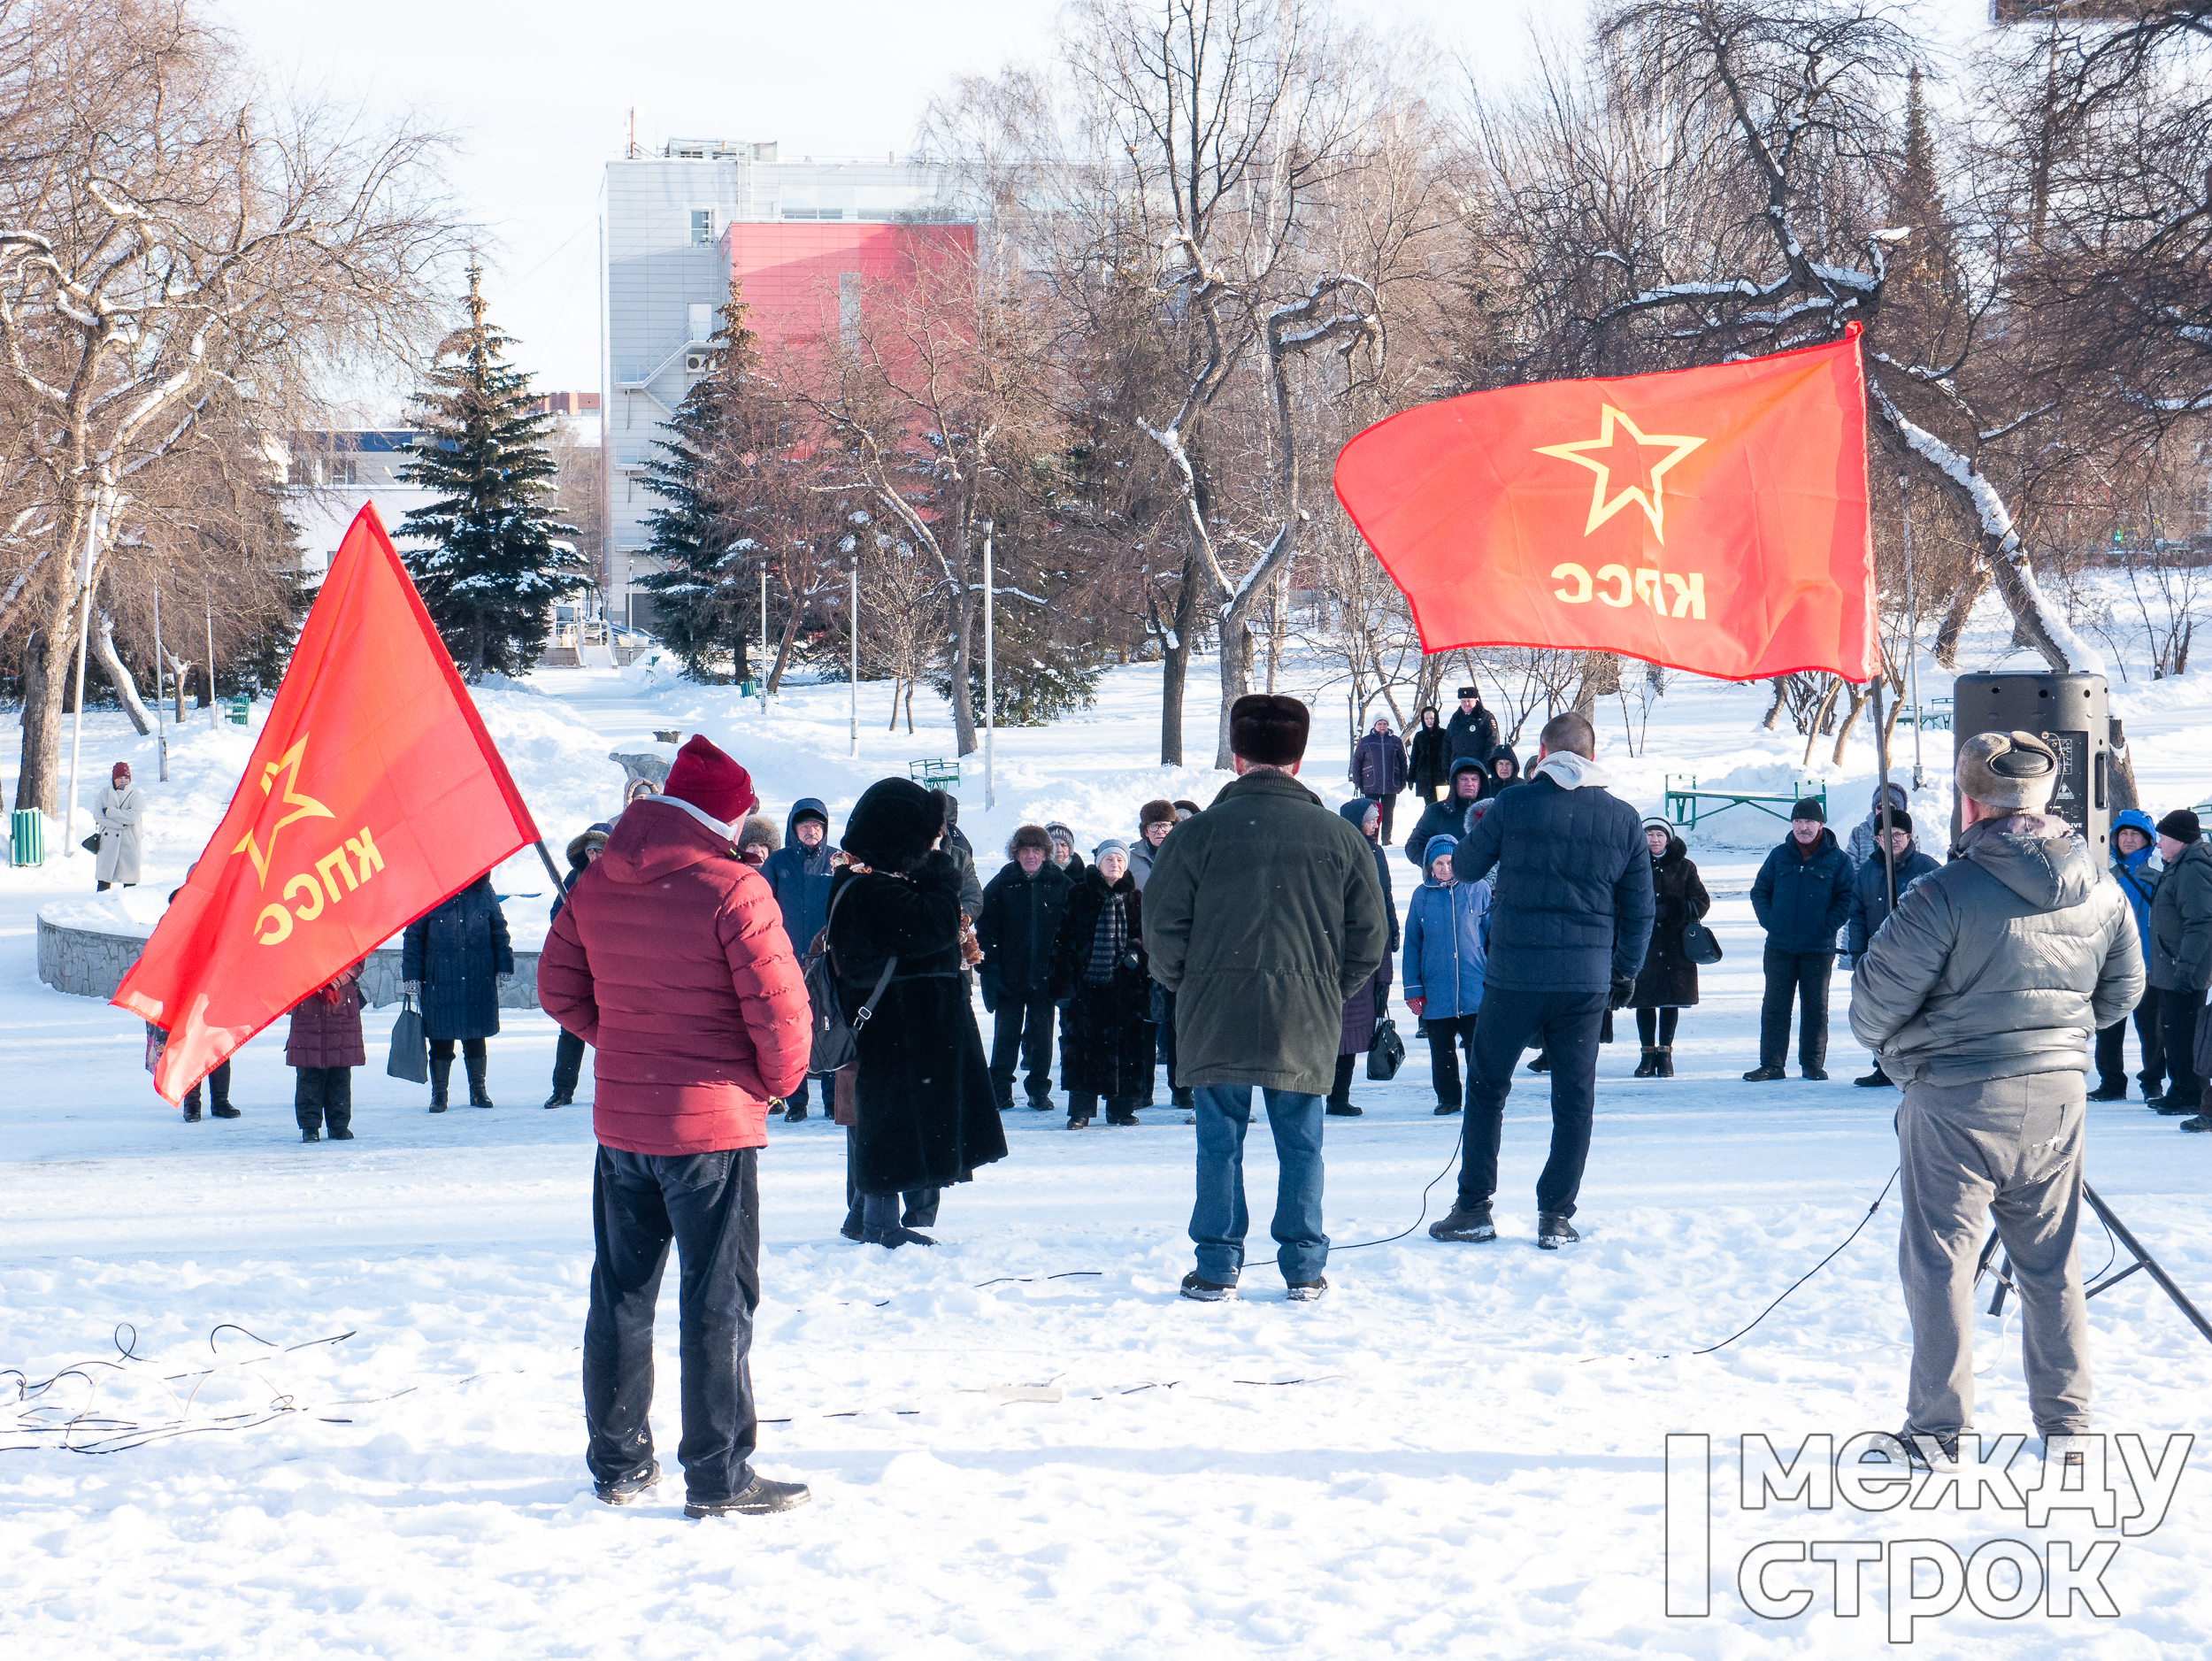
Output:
x=1444 y=954
x=458 y=951
x=1869 y=894
x=1801 y=903
x=2138 y=872
x=799 y=876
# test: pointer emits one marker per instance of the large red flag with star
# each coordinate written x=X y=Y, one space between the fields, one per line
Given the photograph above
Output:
x=1708 y=520
x=374 y=793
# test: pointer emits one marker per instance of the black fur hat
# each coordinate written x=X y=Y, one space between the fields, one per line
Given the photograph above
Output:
x=894 y=822
x=1269 y=728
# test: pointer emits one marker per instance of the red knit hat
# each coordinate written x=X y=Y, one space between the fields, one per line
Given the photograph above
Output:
x=711 y=781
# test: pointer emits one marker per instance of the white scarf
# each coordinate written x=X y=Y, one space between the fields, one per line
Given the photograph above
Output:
x=1570 y=771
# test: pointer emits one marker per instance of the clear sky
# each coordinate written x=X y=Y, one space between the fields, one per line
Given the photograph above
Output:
x=539 y=95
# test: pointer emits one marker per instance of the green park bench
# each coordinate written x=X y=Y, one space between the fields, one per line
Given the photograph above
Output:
x=1686 y=803
x=1936 y=713
x=942 y=773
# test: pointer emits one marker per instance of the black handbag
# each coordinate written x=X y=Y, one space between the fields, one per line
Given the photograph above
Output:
x=410 y=1056
x=1387 y=1053
x=91 y=844
x=1700 y=945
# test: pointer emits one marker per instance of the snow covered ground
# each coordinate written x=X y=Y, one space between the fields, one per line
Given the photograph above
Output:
x=1021 y=1443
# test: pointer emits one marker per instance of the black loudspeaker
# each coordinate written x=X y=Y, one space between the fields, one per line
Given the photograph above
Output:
x=2067 y=712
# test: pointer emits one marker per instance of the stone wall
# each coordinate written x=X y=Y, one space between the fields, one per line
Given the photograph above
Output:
x=92 y=965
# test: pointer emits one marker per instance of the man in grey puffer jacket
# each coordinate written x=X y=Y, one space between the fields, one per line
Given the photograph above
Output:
x=1980 y=994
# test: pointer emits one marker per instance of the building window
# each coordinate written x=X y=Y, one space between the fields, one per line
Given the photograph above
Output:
x=702 y=320
x=702 y=228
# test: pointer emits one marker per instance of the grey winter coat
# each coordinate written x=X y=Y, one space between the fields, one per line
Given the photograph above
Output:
x=1263 y=915
x=117 y=813
x=2181 y=923
x=2000 y=963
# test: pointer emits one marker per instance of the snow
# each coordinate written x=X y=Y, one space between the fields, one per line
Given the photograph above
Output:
x=1021 y=1443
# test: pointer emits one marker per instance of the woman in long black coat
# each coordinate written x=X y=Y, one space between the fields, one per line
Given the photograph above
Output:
x=924 y=1116
x=1107 y=1042
x=1364 y=1010
x=1667 y=984
x=1430 y=760
x=454 y=960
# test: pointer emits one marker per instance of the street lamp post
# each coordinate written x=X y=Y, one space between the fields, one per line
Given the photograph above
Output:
x=855 y=681
x=990 y=699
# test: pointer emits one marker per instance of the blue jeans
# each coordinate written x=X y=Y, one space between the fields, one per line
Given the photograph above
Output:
x=1218 y=1221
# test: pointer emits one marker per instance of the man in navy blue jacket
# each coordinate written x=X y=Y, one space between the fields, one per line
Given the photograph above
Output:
x=1570 y=924
x=1800 y=897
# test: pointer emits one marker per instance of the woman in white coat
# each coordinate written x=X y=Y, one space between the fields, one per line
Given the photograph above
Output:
x=117 y=812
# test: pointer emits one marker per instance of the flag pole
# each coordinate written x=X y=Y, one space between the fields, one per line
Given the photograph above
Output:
x=990 y=699
x=550 y=869
x=1881 y=783
x=855 y=683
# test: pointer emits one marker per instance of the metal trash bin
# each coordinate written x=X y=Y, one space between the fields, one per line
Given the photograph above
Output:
x=27 y=837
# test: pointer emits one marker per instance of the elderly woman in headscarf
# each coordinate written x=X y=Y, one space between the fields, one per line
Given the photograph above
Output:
x=1098 y=964
x=918 y=1100
x=117 y=813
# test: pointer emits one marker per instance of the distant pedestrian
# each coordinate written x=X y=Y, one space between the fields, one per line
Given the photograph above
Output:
x=1023 y=904
x=923 y=1117
x=1800 y=897
x=453 y=962
x=1064 y=854
x=638 y=789
x=217 y=1082
x=568 y=1049
x=1154 y=819
x=756 y=838
x=1472 y=730
x=120 y=813
x=1379 y=771
x=1448 y=818
x=1865 y=842
x=1429 y=760
x=1098 y=964
x=1667 y=983
x=670 y=959
x=1501 y=771
x=324 y=1046
x=1570 y=919
x=1364 y=1010
x=1445 y=958
x=1869 y=906
x=1185 y=809
x=1263 y=915
x=2136 y=868
x=798 y=873
x=2181 y=955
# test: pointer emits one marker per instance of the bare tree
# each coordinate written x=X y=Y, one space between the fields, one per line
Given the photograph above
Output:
x=168 y=237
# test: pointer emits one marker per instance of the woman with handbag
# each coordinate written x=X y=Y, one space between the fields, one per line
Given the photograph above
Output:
x=1366 y=1011
x=118 y=812
x=1667 y=984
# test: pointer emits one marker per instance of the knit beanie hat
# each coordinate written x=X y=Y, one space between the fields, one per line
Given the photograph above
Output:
x=2016 y=771
x=711 y=781
x=1899 y=820
x=894 y=822
x=1810 y=808
x=1269 y=728
x=1110 y=846
x=2181 y=825
x=1160 y=812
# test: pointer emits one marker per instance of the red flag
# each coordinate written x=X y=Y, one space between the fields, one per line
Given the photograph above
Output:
x=374 y=793
x=1709 y=519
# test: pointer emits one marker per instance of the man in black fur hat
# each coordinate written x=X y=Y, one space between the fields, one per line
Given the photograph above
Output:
x=1262 y=915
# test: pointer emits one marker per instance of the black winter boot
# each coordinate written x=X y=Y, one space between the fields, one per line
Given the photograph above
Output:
x=1666 y=1061
x=1466 y=1223
x=440 y=1075
x=1648 y=1067
x=476 y=1066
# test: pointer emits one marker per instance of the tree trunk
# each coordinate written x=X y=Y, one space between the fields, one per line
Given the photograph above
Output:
x=1860 y=698
x=125 y=686
x=1236 y=668
x=45 y=688
x=963 y=663
x=1175 y=664
x=2121 y=771
x=1954 y=618
x=1601 y=678
x=783 y=650
x=1774 y=710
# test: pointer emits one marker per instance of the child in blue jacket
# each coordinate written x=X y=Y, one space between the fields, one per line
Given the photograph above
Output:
x=1443 y=965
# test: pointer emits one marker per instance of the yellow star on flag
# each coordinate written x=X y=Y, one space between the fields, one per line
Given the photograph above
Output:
x=1605 y=501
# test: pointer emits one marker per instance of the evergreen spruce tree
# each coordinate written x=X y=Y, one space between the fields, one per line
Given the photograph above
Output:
x=702 y=603
x=492 y=568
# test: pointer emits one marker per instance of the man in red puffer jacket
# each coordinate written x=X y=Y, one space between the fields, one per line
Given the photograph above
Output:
x=671 y=961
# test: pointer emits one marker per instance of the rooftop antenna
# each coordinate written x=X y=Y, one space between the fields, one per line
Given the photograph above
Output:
x=631 y=151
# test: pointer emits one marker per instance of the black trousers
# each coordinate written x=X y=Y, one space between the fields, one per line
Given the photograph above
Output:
x=2112 y=1062
x=709 y=1204
x=1022 y=1032
x=919 y=1204
x=320 y=1093
x=568 y=1063
x=1803 y=976
x=218 y=1087
x=1565 y=1023
x=1389 y=805
x=1340 y=1090
x=1429 y=793
x=1656 y=1026
x=2179 y=1013
x=1447 y=1035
